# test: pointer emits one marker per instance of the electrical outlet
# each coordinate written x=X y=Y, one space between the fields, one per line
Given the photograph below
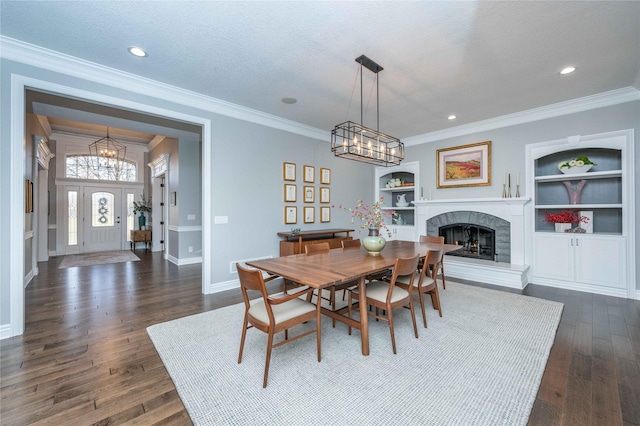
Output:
x=190 y=249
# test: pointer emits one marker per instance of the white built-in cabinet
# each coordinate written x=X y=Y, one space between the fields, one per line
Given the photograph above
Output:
x=408 y=173
x=599 y=262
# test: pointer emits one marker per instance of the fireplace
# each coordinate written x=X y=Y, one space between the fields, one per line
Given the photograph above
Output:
x=504 y=215
x=475 y=241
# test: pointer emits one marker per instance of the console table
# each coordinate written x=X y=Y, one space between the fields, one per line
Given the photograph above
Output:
x=294 y=243
x=141 y=237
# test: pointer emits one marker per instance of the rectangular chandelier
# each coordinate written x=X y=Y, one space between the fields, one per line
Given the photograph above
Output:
x=353 y=141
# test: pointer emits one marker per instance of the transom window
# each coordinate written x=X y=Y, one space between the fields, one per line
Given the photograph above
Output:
x=100 y=168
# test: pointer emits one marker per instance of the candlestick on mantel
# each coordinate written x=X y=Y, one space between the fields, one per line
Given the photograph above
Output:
x=518 y=178
x=421 y=192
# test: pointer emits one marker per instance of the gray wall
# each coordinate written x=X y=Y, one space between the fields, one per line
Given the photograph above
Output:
x=508 y=150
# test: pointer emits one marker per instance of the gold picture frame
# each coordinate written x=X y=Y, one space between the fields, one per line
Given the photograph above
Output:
x=290 y=215
x=464 y=166
x=325 y=176
x=289 y=171
x=309 y=174
x=290 y=193
x=325 y=194
x=309 y=194
x=309 y=214
x=325 y=214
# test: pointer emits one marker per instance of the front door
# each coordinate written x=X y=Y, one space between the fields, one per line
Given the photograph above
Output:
x=102 y=213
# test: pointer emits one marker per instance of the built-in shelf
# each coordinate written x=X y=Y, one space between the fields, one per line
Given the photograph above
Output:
x=578 y=206
x=397 y=188
x=579 y=176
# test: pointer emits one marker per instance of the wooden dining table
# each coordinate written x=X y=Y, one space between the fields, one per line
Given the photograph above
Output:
x=342 y=265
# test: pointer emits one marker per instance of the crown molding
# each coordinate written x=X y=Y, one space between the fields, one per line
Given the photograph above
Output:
x=613 y=97
x=40 y=57
x=29 y=54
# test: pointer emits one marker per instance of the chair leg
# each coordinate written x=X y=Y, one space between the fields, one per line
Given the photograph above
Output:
x=424 y=315
x=437 y=299
x=349 y=309
x=413 y=317
x=393 y=335
x=319 y=332
x=444 y=284
x=244 y=333
x=333 y=304
x=266 y=364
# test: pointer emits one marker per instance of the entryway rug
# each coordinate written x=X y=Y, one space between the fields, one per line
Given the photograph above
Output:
x=481 y=364
x=99 y=258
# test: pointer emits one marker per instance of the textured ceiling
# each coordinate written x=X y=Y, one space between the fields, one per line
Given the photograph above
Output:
x=477 y=60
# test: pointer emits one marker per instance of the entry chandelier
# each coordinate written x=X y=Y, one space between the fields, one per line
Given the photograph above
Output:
x=354 y=141
x=107 y=153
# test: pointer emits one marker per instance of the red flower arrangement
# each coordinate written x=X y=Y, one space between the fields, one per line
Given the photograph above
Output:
x=565 y=216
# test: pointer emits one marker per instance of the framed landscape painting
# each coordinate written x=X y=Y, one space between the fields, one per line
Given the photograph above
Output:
x=466 y=165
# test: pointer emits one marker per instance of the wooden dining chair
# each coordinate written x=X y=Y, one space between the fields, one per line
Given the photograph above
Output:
x=351 y=243
x=389 y=295
x=274 y=314
x=432 y=239
x=426 y=283
x=324 y=247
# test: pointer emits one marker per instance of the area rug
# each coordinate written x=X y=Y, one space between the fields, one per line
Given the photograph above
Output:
x=480 y=364
x=99 y=258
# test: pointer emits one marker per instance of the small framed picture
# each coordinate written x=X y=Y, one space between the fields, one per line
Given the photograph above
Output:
x=290 y=214
x=325 y=176
x=289 y=193
x=309 y=174
x=309 y=194
x=289 y=171
x=325 y=194
x=309 y=214
x=325 y=214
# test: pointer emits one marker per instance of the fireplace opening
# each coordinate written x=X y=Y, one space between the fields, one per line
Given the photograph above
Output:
x=475 y=241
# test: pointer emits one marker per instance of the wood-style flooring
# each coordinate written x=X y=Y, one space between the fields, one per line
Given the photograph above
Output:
x=85 y=357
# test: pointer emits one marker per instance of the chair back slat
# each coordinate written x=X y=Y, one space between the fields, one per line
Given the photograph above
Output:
x=431 y=239
x=251 y=279
x=351 y=243
x=317 y=248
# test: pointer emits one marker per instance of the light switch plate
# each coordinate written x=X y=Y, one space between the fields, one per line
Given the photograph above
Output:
x=220 y=219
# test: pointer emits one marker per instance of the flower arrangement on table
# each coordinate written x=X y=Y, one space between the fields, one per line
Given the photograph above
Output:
x=372 y=216
x=565 y=216
x=579 y=161
x=142 y=206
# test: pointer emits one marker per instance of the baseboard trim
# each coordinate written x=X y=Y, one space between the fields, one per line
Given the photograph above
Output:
x=587 y=288
x=184 y=261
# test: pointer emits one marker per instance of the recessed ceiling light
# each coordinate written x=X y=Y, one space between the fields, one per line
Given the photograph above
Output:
x=136 y=51
x=452 y=117
x=568 y=70
x=289 y=100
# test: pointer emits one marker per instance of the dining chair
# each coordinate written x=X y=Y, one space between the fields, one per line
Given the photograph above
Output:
x=432 y=239
x=389 y=295
x=324 y=247
x=426 y=283
x=274 y=314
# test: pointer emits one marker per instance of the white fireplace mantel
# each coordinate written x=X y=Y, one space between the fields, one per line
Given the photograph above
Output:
x=509 y=209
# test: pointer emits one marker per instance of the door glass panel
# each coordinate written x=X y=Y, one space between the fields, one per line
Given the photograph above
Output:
x=72 y=196
x=130 y=215
x=102 y=213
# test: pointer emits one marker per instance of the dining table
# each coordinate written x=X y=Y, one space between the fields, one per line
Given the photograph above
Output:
x=341 y=265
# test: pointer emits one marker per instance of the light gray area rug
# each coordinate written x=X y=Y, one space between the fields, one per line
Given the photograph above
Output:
x=99 y=258
x=481 y=364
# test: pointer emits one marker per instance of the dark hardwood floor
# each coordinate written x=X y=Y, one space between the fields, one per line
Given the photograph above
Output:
x=85 y=357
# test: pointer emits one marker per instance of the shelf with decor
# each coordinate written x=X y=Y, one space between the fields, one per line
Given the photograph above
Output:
x=398 y=186
x=591 y=178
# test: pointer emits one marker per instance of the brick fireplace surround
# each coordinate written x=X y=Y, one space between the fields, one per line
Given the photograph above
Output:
x=509 y=274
